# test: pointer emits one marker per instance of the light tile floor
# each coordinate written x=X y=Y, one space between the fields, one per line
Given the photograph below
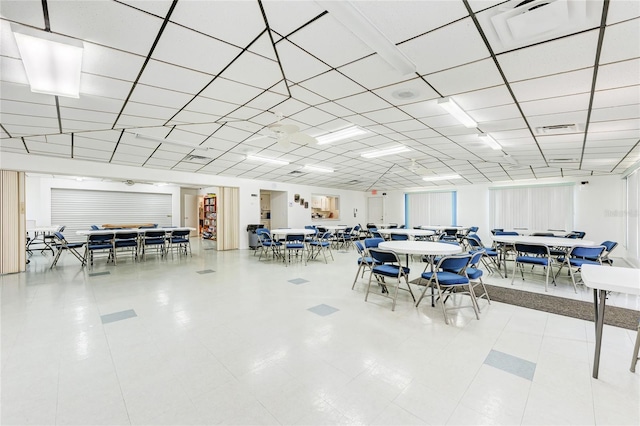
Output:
x=244 y=346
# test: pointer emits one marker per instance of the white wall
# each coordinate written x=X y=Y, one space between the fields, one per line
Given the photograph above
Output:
x=40 y=195
x=596 y=204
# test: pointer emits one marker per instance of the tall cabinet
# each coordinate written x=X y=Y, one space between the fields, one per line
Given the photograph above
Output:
x=209 y=220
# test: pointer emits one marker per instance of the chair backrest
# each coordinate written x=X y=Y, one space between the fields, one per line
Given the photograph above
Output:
x=94 y=227
x=376 y=234
x=295 y=238
x=399 y=237
x=101 y=237
x=539 y=249
x=60 y=237
x=493 y=231
x=473 y=242
x=451 y=231
x=359 y=247
x=372 y=242
x=609 y=245
x=542 y=234
x=587 y=252
x=371 y=226
x=356 y=228
x=180 y=233
x=473 y=229
x=476 y=256
x=154 y=234
x=576 y=234
x=383 y=256
x=505 y=233
x=126 y=235
x=457 y=263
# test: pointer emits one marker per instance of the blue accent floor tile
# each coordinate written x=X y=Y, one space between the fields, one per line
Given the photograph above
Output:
x=298 y=281
x=205 y=271
x=118 y=316
x=511 y=364
x=323 y=310
x=97 y=274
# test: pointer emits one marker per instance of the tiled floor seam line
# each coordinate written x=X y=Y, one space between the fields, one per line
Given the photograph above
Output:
x=524 y=410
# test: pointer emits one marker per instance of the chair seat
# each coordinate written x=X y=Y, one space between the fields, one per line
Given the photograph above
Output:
x=320 y=243
x=151 y=241
x=447 y=278
x=127 y=243
x=295 y=245
x=533 y=260
x=474 y=273
x=490 y=252
x=390 y=270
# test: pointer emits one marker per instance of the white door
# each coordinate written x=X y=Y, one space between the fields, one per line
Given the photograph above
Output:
x=375 y=210
x=191 y=212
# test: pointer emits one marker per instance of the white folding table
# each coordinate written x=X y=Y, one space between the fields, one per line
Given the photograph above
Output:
x=603 y=279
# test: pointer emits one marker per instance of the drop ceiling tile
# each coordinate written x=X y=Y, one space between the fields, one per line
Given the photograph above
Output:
x=396 y=20
x=615 y=113
x=564 y=84
x=612 y=126
x=48 y=148
x=384 y=75
x=618 y=74
x=553 y=57
x=332 y=85
x=235 y=22
x=158 y=162
x=465 y=78
x=148 y=111
x=157 y=7
x=90 y=154
x=210 y=107
x=220 y=144
x=92 y=144
x=306 y=96
x=447 y=47
x=106 y=23
x=616 y=97
x=312 y=116
x=171 y=77
x=622 y=10
x=267 y=101
x=297 y=64
x=92 y=104
x=411 y=91
x=363 y=102
x=133 y=121
x=103 y=86
x=242 y=113
x=198 y=56
x=28 y=13
x=621 y=42
x=254 y=70
x=22 y=93
x=321 y=36
x=28 y=109
x=13 y=145
x=388 y=115
x=109 y=62
x=13 y=70
x=562 y=104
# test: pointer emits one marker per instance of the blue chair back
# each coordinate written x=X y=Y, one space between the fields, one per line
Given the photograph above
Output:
x=383 y=256
x=473 y=229
x=590 y=252
x=101 y=237
x=609 y=245
x=94 y=227
x=476 y=256
x=506 y=233
x=295 y=237
x=372 y=242
x=399 y=237
x=474 y=241
x=359 y=247
x=454 y=263
x=533 y=249
x=493 y=231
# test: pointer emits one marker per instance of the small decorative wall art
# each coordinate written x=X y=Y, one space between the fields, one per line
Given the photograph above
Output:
x=306 y=204
x=296 y=198
x=302 y=201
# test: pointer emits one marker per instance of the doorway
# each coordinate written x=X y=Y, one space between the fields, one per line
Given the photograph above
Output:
x=274 y=211
x=191 y=216
x=375 y=210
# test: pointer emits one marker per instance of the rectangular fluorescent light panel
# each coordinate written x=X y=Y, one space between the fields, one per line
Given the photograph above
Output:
x=383 y=152
x=355 y=21
x=489 y=140
x=319 y=169
x=267 y=160
x=443 y=177
x=53 y=63
x=347 y=133
x=456 y=112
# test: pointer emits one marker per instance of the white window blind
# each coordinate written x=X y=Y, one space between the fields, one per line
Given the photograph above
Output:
x=78 y=209
x=430 y=208
x=633 y=217
x=532 y=207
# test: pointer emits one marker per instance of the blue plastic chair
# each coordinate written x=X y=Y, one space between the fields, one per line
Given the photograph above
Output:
x=535 y=255
x=387 y=265
x=578 y=256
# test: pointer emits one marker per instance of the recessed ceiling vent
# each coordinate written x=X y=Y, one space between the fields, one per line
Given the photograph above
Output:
x=562 y=160
x=296 y=173
x=197 y=159
x=558 y=129
x=519 y=22
x=353 y=182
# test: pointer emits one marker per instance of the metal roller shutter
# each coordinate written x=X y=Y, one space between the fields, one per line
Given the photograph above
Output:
x=78 y=209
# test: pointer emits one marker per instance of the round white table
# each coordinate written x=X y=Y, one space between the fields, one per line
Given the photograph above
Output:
x=291 y=231
x=534 y=231
x=424 y=248
x=333 y=227
x=443 y=227
x=411 y=232
x=547 y=241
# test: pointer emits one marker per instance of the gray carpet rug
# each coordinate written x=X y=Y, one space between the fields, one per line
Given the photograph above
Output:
x=618 y=317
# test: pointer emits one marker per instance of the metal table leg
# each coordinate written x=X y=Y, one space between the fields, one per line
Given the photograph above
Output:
x=599 y=322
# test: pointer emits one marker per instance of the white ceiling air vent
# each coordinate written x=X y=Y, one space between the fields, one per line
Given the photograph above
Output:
x=558 y=129
x=562 y=160
x=296 y=173
x=521 y=22
x=197 y=159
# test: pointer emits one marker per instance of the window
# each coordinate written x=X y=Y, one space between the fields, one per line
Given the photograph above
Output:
x=430 y=208
x=532 y=207
x=633 y=217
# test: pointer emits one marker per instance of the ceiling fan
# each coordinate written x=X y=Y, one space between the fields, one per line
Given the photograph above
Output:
x=417 y=168
x=287 y=133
